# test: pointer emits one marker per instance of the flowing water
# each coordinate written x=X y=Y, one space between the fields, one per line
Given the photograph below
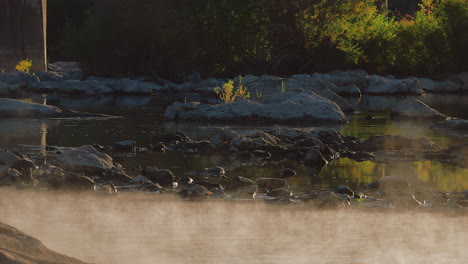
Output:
x=148 y=229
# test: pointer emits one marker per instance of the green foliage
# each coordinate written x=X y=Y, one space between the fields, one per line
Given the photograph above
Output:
x=283 y=87
x=226 y=38
x=230 y=93
x=24 y=65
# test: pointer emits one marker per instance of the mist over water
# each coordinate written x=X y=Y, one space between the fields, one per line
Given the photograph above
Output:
x=144 y=228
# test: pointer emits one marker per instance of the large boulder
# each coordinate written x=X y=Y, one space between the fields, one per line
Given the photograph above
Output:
x=286 y=107
x=133 y=87
x=17 y=247
x=412 y=108
x=11 y=108
x=85 y=159
x=343 y=78
x=88 y=87
x=383 y=85
x=21 y=79
x=9 y=89
x=17 y=108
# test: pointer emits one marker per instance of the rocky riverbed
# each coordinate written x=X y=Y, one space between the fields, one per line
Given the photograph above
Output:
x=298 y=144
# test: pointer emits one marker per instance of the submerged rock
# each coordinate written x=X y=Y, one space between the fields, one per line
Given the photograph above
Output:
x=457 y=125
x=239 y=182
x=396 y=142
x=11 y=108
x=281 y=107
x=162 y=176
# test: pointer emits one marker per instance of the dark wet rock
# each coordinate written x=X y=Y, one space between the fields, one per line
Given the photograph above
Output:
x=390 y=183
x=162 y=176
x=239 y=182
x=271 y=183
x=7 y=90
x=177 y=136
x=343 y=189
x=281 y=107
x=184 y=180
x=397 y=142
x=158 y=147
x=359 y=155
x=248 y=192
x=17 y=247
x=280 y=192
x=244 y=155
x=133 y=87
x=85 y=159
x=189 y=147
x=314 y=157
x=261 y=154
x=118 y=176
x=107 y=188
x=213 y=172
x=462 y=203
x=150 y=186
x=55 y=176
x=286 y=173
x=309 y=143
x=195 y=191
x=210 y=185
x=458 y=125
x=412 y=108
x=327 y=199
x=126 y=145
x=78 y=182
x=4 y=174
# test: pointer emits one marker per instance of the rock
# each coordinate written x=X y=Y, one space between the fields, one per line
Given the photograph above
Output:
x=349 y=90
x=327 y=199
x=177 y=136
x=286 y=173
x=239 y=182
x=164 y=177
x=265 y=84
x=126 y=145
x=397 y=142
x=382 y=85
x=77 y=182
x=271 y=183
x=213 y=172
x=314 y=157
x=132 y=87
x=48 y=76
x=281 y=192
x=248 y=192
x=21 y=79
x=390 y=183
x=17 y=247
x=88 y=88
x=17 y=108
x=85 y=159
x=117 y=176
x=281 y=107
x=10 y=90
x=343 y=78
x=10 y=108
x=447 y=87
x=458 y=125
x=343 y=189
x=426 y=84
x=196 y=191
x=55 y=177
x=412 y=108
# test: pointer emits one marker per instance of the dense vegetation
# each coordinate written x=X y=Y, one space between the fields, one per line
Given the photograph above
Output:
x=231 y=37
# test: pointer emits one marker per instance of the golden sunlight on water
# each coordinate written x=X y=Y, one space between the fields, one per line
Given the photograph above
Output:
x=137 y=228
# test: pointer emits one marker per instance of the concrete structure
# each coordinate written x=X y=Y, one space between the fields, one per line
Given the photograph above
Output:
x=22 y=33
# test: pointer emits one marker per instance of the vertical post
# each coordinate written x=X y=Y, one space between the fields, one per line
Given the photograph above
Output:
x=44 y=32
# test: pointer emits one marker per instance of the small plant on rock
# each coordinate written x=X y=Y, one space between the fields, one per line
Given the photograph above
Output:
x=230 y=93
x=2 y=70
x=24 y=65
